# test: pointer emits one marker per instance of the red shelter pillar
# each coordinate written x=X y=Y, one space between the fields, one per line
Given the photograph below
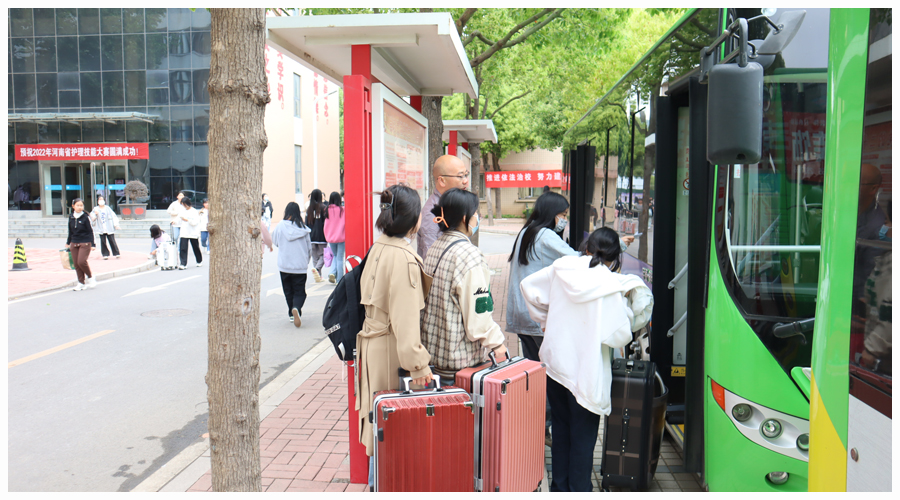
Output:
x=451 y=149
x=358 y=201
x=416 y=102
x=465 y=146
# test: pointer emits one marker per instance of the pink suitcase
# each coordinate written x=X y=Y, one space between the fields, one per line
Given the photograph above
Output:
x=424 y=439
x=509 y=423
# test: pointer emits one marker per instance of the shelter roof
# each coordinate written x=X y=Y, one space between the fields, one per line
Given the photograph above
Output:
x=471 y=130
x=412 y=54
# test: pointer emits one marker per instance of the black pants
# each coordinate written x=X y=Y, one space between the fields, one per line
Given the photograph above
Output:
x=294 y=286
x=195 y=243
x=112 y=244
x=531 y=348
x=574 y=437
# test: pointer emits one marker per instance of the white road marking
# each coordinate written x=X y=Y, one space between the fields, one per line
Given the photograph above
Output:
x=275 y=291
x=160 y=287
x=69 y=290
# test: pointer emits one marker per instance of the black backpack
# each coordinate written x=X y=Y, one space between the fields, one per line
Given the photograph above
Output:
x=344 y=314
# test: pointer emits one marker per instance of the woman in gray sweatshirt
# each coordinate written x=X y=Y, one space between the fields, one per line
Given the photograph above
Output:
x=291 y=236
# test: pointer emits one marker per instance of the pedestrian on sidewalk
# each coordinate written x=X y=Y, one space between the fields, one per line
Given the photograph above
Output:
x=175 y=210
x=315 y=219
x=537 y=246
x=204 y=224
x=391 y=289
x=458 y=321
x=107 y=223
x=79 y=242
x=586 y=309
x=267 y=211
x=190 y=232
x=449 y=172
x=291 y=237
x=334 y=235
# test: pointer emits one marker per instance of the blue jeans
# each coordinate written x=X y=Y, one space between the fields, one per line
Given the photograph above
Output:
x=176 y=231
x=204 y=240
x=337 y=261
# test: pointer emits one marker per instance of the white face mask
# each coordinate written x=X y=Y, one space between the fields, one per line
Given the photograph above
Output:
x=101 y=202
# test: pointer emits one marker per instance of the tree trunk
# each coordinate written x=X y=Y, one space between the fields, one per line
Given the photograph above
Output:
x=475 y=183
x=237 y=138
x=649 y=169
x=431 y=109
x=496 y=161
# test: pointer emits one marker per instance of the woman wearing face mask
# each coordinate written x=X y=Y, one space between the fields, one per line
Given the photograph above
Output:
x=79 y=242
x=458 y=320
x=107 y=223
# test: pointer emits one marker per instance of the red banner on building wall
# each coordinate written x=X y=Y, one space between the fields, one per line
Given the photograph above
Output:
x=525 y=178
x=118 y=151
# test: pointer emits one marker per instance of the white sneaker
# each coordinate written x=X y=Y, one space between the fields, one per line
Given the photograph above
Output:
x=79 y=287
x=106 y=258
x=91 y=283
x=199 y=264
x=180 y=267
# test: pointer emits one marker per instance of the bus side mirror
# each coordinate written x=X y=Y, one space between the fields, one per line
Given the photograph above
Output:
x=734 y=114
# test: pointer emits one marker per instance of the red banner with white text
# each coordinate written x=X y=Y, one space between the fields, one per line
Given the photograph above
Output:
x=75 y=152
x=525 y=178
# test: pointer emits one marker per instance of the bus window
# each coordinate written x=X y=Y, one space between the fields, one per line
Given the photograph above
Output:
x=769 y=214
x=870 y=331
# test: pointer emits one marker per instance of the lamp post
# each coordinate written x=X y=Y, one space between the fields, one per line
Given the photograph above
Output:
x=316 y=139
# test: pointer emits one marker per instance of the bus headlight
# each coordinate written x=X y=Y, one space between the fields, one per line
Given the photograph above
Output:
x=771 y=428
x=803 y=442
x=742 y=412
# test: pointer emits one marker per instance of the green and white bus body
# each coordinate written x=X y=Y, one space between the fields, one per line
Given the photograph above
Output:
x=744 y=259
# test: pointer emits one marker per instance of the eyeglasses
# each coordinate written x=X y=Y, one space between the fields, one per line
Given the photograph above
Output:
x=460 y=176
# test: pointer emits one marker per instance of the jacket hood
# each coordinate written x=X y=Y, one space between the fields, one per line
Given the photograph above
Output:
x=584 y=284
x=292 y=231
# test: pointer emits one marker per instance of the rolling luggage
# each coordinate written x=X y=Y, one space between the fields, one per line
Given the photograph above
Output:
x=166 y=256
x=628 y=437
x=424 y=439
x=510 y=401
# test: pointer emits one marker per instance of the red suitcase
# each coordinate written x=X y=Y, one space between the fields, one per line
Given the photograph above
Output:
x=510 y=401
x=424 y=440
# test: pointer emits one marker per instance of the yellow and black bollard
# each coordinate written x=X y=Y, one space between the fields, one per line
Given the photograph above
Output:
x=20 y=263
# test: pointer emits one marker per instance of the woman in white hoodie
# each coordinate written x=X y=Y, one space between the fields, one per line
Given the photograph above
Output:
x=585 y=308
x=107 y=223
x=190 y=232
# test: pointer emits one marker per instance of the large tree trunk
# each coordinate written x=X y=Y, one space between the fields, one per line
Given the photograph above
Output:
x=431 y=109
x=649 y=169
x=475 y=183
x=237 y=138
x=496 y=161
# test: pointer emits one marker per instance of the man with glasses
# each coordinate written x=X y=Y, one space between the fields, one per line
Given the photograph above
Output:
x=449 y=172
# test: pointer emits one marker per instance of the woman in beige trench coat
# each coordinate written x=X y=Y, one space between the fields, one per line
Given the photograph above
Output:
x=391 y=289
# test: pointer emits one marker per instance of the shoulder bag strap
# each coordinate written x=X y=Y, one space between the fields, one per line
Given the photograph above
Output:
x=442 y=255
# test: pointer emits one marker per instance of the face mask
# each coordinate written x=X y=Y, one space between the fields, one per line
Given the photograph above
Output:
x=476 y=225
x=101 y=202
x=561 y=225
x=882 y=233
x=78 y=213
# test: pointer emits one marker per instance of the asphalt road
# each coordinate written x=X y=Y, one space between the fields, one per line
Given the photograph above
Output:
x=109 y=383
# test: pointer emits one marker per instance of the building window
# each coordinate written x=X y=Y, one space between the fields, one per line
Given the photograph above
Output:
x=297 y=99
x=529 y=192
x=298 y=172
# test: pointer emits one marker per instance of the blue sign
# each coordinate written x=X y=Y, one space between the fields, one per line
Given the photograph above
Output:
x=58 y=187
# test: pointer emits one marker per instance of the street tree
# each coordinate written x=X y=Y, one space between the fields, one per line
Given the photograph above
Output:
x=238 y=95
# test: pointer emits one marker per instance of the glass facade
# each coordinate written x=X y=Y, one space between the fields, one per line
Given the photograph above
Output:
x=153 y=61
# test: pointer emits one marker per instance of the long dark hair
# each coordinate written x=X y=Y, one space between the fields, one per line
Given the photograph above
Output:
x=155 y=231
x=455 y=206
x=292 y=213
x=335 y=199
x=603 y=246
x=316 y=207
x=546 y=208
x=400 y=210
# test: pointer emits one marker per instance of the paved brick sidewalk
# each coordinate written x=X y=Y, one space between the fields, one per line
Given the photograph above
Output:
x=47 y=271
x=304 y=442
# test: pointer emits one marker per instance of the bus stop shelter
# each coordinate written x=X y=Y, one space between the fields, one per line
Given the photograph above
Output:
x=464 y=132
x=377 y=59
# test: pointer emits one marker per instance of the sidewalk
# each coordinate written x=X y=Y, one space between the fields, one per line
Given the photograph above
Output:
x=304 y=439
x=47 y=272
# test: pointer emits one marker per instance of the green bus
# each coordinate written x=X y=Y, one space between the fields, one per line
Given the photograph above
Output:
x=765 y=234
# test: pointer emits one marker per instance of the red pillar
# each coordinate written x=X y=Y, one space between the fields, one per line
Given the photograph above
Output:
x=416 y=102
x=465 y=146
x=451 y=149
x=357 y=199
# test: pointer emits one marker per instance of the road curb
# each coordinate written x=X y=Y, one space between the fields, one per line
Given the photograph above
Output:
x=180 y=473
x=150 y=264
x=497 y=230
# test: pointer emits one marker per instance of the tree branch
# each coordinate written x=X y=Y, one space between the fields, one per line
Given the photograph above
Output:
x=507 y=102
x=484 y=108
x=703 y=28
x=463 y=19
x=479 y=35
x=504 y=42
x=687 y=42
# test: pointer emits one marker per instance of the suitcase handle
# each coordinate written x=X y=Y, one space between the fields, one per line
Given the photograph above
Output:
x=408 y=380
x=494 y=363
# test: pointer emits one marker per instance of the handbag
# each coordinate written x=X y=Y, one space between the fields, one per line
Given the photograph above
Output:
x=65 y=255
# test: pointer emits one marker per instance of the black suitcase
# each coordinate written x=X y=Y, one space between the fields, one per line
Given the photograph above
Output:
x=628 y=436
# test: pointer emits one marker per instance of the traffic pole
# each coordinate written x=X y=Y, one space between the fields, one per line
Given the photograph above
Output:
x=20 y=262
